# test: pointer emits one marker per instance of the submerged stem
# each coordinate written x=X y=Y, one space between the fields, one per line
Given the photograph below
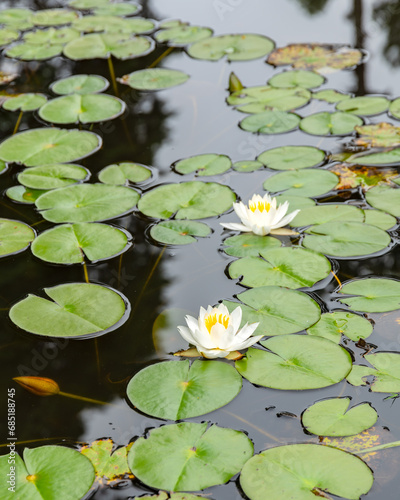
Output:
x=85 y=272
x=82 y=398
x=379 y=447
x=261 y=431
x=112 y=75
x=18 y=122
x=161 y=57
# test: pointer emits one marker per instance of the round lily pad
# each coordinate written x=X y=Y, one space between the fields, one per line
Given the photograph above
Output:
x=292 y=157
x=120 y=45
x=41 y=146
x=332 y=325
x=154 y=79
x=183 y=34
x=183 y=390
x=304 y=472
x=384 y=198
x=21 y=194
x=80 y=84
x=332 y=417
x=25 y=102
x=242 y=47
x=187 y=200
x=78 y=108
x=8 y=35
x=346 y=239
x=19 y=19
x=246 y=245
x=53 y=176
x=48 y=472
x=188 y=456
x=379 y=219
x=364 y=106
x=327 y=213
x=116 y=9
x=15 y=236
x=371 y=295
x=297 y=78
x=326 y=123
x=86 y=203
x=203 y=165
x=72 y=310
x=292 y=267
x=86 y=4
x=175 y=232
x=123 y=173
x=302 y=182
x=50 y=36
x=295 y=362
x=268 y=306
x=247 y=166
x=295 y=202
x=394 y=108
x=383 y=158
x=71 y=243
x=53 y=17
x=270 y=122
x=113 y=24
x=34 y=51
x=331 y=96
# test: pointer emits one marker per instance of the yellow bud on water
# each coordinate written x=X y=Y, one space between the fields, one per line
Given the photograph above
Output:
x=40 y=386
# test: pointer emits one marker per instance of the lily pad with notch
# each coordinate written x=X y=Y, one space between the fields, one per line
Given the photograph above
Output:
x=15 y=236
x=203 y=165
x=113 y=24
x=327 y=212
x=331 y=96
x=19 y=19
x=305 y=182
x=183 y=34
x=385 y=198
x=297 y=78
x=8 y=35
x=25 y=102
x=385 y=372
x=387 y=157
x=176 y=232
x=364 y=106
x=80 y=84
x=259 y=99
x=21 y=194
x=371 y=295
x=327 y=123
x=270 y=122
x=332 y=325
x=292 y=157
x=120 y=174
x=154 y=79
x=53 y=176
x=73 y=310
x=249 y=245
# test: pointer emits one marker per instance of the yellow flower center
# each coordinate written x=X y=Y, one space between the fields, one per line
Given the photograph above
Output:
x=213 y=319
x=261 y=205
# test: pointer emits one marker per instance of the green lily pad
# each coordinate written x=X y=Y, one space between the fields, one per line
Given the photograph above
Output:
x=386 y=372
x=331 y=417
x=295 y=362
x=71 y=243
x=109 y=464
x=346 y=239
x=394 y=108
x=86 y=4
x=75 y=310
x=21 y=194
x=53 y=17
x=260 y=99
x=15 y=236
x=86 y=203
x=120 y=45
x=42 y=146
x=326 y=123
x=242 y=47
x=249 y=245
x=34 y=51
x=183 y=34
x=302 y=182
x=270 y=122
x=297 y=78
x=48 y=472
x=295 y=202
x=53 y=176
x=183 y=390
x=188 y=456
x=304 y=472
x=8 y=35
x=80 y=84
x=385 y=198
x=173 y=496
x=203 y=165
x=3 y=167
x=378 y=135
x=292 y=267
x=51 y=36
x=292 y=157
x=330 y=96
x=247 y=166
x=19 y=19
x=78 y=108
x=154 y=79
x=122 y=173
x=187 y=200
x=332 y=325
x=25 y=102
x=379 y=219
x=268 y=307
x=364 y=106
x=327 y=213
x=117 y=9
x=384 y=158
x=371 y=295
x=175 y=232
x=113 y=24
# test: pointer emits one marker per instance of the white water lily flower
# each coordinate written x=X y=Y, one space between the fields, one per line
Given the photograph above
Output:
x=216 y=332
x=262 y=216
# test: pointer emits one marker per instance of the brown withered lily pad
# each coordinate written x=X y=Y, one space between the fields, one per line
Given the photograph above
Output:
x=320 y=58
x=352 y=176
x=7 y=78
x=379 y=135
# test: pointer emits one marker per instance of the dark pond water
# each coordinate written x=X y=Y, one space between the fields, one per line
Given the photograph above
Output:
x=156 y=130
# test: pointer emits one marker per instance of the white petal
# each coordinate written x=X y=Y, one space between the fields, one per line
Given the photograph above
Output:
x=213 y=353
x=286 y=219
x=247 y=343
x=280 y=212
x=235 y=226
x=192 y=323
x=260 y=230
x=202 y=313
x=246 y=331
x=235 y=318
x=202 y=339
x=186 y=334
x=219 y=336
x=222 y=309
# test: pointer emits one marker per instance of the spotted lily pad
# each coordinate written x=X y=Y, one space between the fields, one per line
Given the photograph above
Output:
x=385 y=198
x=19 y=19
x=188 y=456
x=203 y=165
x=326 y=123
x=183 y=390
x=187 y=200
x=330 y=96
x=371 y=294
x=292 y=157
x=378 y=135
x=386 y=372
x=86 y=203
x=8 y=35
x=304 y=472
x=82 y=108
x=270 y=122
x=183 y=34
x=302 y=182
x=109 y=463
x=72 y=310
x=268 y=307
x=332 y=325
x=364 y=106
x=42 y=146
x=53 y=17
x=48 y=472
x=249 y=245
x=247 y=166
x=175 y=232
x=15 y=236
x=72 y=243
x=113 y=24
x=21 y=194
x=352 y=176
x=241 y=47
x=292 y=267
x=80 y=84
x=154 y=79
x=53 y=176
x=123 y=173
x=25 y=102
x=295 y=362
x=297 y=78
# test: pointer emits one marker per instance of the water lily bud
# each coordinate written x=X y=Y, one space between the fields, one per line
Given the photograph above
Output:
x=39 y=385
x=235 y=84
